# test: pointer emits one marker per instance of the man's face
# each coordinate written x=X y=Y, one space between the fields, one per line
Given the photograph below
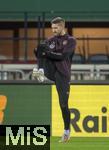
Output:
x=57 y=28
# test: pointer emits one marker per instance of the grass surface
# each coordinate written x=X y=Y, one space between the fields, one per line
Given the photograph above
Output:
x=75 y=143
x=80 y=144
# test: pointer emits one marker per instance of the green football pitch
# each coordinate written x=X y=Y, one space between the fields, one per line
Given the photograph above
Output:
x=82 y=143
x=75 y=143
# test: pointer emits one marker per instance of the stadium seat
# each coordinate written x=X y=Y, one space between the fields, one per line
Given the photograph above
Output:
x=2 y=57
x=98 y=59
x=78 y=59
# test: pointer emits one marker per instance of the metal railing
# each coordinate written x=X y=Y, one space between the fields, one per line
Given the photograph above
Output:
x=12 y=75
x=78 y=72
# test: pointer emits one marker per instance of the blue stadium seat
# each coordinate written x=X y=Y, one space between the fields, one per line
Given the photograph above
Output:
x=78 y=59
x=98 y=59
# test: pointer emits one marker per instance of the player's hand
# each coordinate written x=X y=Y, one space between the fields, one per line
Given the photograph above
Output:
x=38 y=74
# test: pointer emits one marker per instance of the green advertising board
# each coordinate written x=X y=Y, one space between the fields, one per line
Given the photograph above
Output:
x=27 y=103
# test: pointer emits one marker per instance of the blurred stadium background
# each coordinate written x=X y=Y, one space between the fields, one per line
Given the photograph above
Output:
x=23 y=24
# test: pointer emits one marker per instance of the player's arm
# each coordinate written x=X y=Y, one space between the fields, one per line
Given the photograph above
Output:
x=68 y=50
x=57 y=56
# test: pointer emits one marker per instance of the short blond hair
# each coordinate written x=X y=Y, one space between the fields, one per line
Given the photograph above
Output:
x=58 y=20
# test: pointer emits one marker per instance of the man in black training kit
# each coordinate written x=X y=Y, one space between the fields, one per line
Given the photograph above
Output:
x=54 y=61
